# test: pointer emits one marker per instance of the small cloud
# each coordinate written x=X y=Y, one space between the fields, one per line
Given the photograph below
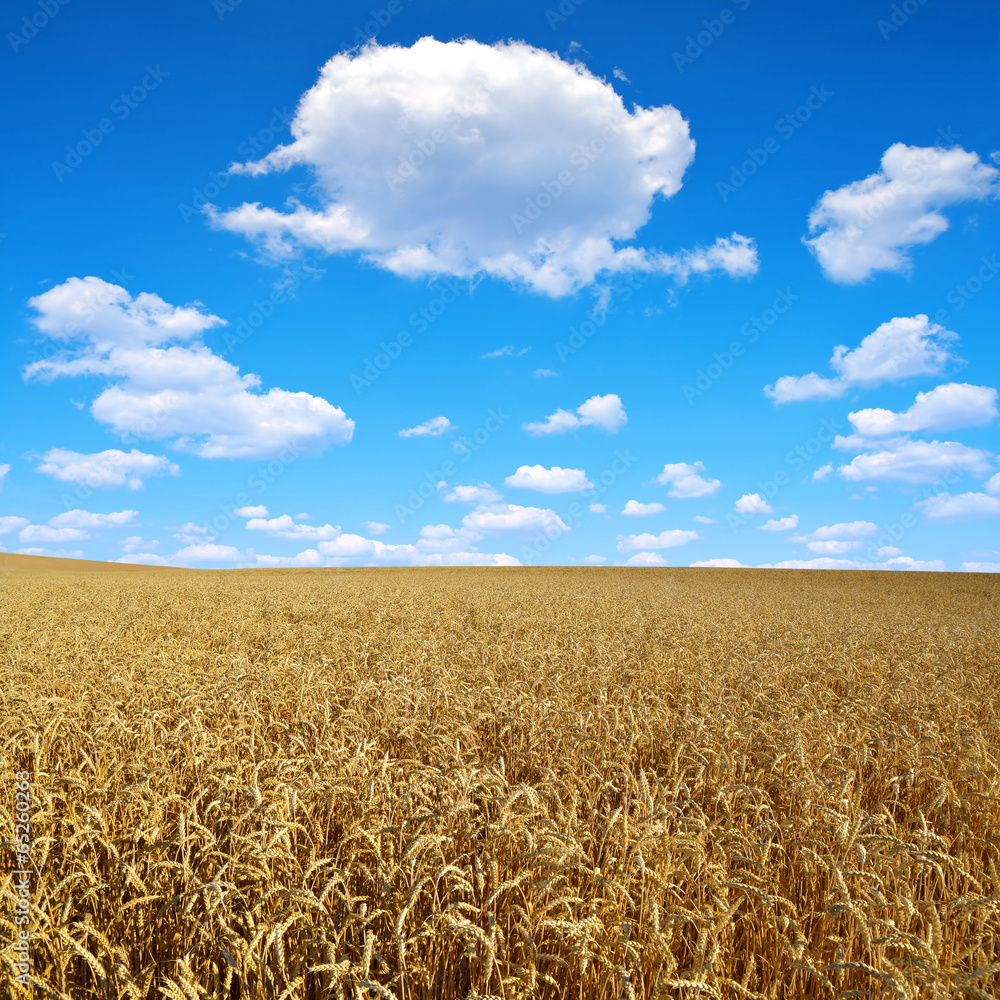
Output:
x=593 y=560
x=478 y=495
x=434 y=427
x=376 y=527
x=752 y=503
x=685 y=480
x=4 y=469
x=506 y=352
x=605 y=412
x=781 y=524
x=701 y=519
x=646 y=559
x=823 y=471
x=554 y=480
x=545 y=373
x=721 y=563
x=620 y=75
x=598 y=508
x=664 y=540
x=260 y=511
x=635 y=509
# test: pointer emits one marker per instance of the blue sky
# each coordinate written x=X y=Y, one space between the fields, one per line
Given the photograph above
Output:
x=440 y=284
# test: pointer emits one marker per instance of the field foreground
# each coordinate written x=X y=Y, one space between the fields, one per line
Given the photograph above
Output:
x=551 y=783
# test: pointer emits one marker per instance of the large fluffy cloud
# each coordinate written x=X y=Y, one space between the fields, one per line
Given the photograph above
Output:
x=167 y=385
x=462 y=158
x=869 y=225
x=604 y=412
x=105 y=469
x=945 y=408
x=900 y=348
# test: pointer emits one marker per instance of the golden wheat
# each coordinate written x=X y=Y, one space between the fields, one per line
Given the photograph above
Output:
x=510 y=783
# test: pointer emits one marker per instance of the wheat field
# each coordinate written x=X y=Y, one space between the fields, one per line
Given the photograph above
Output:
x=581 y=784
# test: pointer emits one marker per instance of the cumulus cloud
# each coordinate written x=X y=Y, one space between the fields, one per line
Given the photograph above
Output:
x=945 y=408
x=635 y=509
x=464 y=159
x=685 y=480
x=598 y=508
x=285 y=526
x=376 y=527
x=959 y=507
x=10 y=523
x=721 y=563
x=434 y=427
x=701 y=519
x=837 y=539
x=827 y=562
x=646 y=559
x=869 y=225
x=554 y=480
x=594 y=560
x=752 y=503
x=781 y=523
x=604 y=412
x=95 y=522
x=47 y=533
x=664 y=540
x=258 y=511
x=481 y=493
x=70 y=526
x=916 y=462
x=165 y=384
x=900 y=348
x=208 y=552
x=823 y=471
x=109 y=469
x=512 y=518
x=143 y=559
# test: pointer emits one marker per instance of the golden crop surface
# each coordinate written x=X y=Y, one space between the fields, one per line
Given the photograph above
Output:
x=582 y=784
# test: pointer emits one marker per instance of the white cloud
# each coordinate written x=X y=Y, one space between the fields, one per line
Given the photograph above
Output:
x=208 y=552
x=993 y=486
x=916 y=462
x=462 y=158
x=545 y=373
x=594 y=560
x=434 y=427
x=853 y=530
x=823 y=471
x=11 y=523
x=598 y=508
x=285 y=526
x=482 y=493
x=605 y=412
x=752 y=503
x=512 y=518
x=869 y=225
x=259 y=511
x=94 y=522
x=685 y=480
x=948 y=506
x=981 y=567
x=721 y=563
x=635 y=509
x=900 y=348
x=554 y=480
x=646 y=559
x=664 y=540
x=167 y=385
x=781 y=524
x=826 y=562
x=108 y=469
x=508 y=351
x=46 y=533
x=143 y=559
x=376 y=527
x=4 y=469
x=137 y=544
x=944 y=408
x=701 y=519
